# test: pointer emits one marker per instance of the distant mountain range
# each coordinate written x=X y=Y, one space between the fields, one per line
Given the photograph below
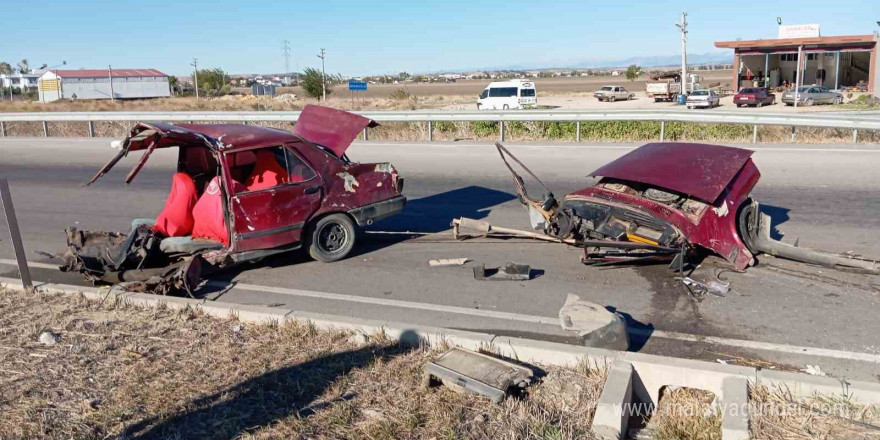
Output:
x=642 y=61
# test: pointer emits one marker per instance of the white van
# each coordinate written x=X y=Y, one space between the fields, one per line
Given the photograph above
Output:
x=503 y=95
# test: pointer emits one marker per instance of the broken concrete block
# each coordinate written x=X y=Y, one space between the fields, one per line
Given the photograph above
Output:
x=596 y=326
x=444 y=262
x=470 y=372
x=510 y=272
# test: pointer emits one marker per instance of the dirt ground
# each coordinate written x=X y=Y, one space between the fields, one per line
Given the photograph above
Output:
x=109 y=370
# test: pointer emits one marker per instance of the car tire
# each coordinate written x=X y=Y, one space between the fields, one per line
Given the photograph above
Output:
x=478 y=106
x=759 y=104
x=808 y=102
x=505 y=107
x=838 y=100
x=332 y=238
x=612 y=99
x=746 y=222
x=773 y=101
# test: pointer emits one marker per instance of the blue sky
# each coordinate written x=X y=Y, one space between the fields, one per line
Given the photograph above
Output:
x=390 y=36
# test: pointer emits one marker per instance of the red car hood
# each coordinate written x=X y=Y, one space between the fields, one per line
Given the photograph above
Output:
x=698 y=170
x=334 y=129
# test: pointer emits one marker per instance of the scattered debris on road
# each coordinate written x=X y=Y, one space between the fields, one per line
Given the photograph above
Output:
x=596 y=326
x=469 y=372
x=699 y=288
x=508 y=272
x=49 y=338
x=446 y=262
x=662 y=202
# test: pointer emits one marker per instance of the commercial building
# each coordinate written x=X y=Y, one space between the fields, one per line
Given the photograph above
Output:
x=839 y=62
x=103 y=84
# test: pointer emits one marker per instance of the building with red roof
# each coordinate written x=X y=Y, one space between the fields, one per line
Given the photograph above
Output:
x=103 y=84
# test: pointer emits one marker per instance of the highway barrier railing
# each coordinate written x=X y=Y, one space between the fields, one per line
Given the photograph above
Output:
x=754 y=119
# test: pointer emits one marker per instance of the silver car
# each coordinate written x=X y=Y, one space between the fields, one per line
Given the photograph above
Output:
x=703 y=99
x=613 y=93
x=809 y=95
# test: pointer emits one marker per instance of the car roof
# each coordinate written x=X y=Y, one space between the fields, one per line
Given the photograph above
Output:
x=232 y=137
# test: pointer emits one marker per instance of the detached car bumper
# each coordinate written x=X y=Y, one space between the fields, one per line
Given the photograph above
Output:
x=367 y=214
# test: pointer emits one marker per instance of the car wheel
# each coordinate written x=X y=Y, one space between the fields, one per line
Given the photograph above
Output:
x=738 y=105
x=505 y=107
x=773 y=101
x=759 y=104
x=747 y=224
x=332 y=238
x=838 y=100
x=612 y=99
x=808 y=102
x=478 y=106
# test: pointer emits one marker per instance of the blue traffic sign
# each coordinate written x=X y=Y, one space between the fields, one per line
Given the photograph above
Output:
x=357 y=85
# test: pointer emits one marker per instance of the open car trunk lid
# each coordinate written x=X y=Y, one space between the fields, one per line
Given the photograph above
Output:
x=698 y=170
x=149 y=136
x=334 y=129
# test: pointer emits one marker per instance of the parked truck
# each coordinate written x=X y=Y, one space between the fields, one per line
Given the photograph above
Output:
x=665 y=90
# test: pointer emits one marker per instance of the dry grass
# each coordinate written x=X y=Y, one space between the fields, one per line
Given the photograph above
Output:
x=777 y=415
x=123 y=372
x=686 y=413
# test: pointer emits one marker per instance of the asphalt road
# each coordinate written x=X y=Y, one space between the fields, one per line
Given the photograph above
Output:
x=825 y=195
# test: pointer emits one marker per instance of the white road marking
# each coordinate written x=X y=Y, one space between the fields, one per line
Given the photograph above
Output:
x=739 y=343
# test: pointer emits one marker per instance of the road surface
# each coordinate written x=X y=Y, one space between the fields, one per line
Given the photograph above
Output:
x=825 y=195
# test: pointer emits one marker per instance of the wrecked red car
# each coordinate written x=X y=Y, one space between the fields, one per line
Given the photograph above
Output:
x=665 y=202
x=242 y=193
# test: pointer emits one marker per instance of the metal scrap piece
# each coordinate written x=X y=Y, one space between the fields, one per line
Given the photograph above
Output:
x=469 y=372
x=444 y=262
x=510 y=272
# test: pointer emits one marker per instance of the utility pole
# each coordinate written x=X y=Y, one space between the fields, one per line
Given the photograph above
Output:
x=323 y=76
x=683 y=26
x=195 y=65
x=110 y=73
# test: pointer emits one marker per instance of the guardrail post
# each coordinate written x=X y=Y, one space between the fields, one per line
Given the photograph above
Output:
x=793 y=131
x=578 y=128
x=430 y=131
x=365 y=133
x=855 y=136
x=755 y=134
x=501 y=131
x=15 y=234
x=662 y=130
x=91 y=129
x=45 y=129
x=3 y=127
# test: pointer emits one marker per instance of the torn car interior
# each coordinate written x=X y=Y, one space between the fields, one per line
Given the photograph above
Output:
x=241 y=193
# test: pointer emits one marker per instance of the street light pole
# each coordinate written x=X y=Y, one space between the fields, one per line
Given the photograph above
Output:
x=195 y=65
x=323 y=76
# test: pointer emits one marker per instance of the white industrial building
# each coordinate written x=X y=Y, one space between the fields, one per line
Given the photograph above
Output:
x=103 y=84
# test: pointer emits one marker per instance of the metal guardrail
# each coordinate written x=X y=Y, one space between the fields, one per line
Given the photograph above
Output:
x=853 y=122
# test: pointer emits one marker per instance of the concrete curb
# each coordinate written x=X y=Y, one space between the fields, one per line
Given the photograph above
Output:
x=648 y=373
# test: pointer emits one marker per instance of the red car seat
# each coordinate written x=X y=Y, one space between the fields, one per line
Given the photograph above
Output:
x=176 y=218
x=210 y=222
x=267 y=172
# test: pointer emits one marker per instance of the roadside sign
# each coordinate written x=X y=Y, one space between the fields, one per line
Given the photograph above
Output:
x=357 y=86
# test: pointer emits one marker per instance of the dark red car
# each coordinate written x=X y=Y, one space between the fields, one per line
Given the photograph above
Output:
x=243 y=192
x=755 y=96
x=655 y=202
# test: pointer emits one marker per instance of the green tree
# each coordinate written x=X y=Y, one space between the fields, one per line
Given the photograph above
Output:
x=633 y=72
x=173 y=83
x=5 y=68
x=403 y=75
x=311 y=82
x=213 y=81
x=23 y=66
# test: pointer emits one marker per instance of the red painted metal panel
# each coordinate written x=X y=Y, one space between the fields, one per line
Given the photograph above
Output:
x=698 y=170
x=334 y=129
